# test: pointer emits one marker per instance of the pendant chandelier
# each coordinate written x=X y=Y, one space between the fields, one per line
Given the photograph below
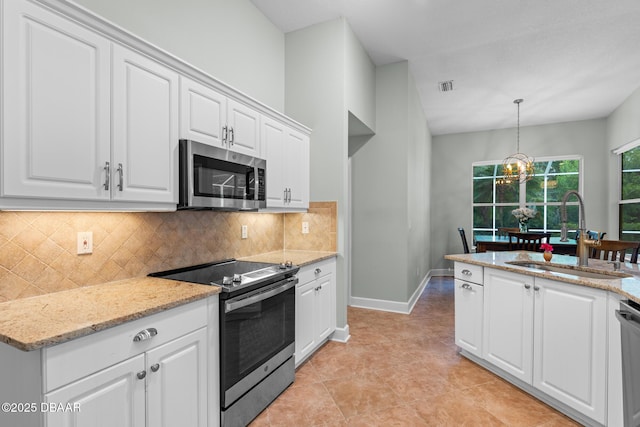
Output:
x=517 y=167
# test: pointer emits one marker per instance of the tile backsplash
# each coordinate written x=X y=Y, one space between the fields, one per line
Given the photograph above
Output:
x=38 y=249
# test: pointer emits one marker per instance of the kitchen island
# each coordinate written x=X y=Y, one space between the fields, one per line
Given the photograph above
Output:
x=548 y=328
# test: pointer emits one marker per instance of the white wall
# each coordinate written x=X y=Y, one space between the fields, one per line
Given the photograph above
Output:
x=228 y=39
x=360 y=81
x=451 y=173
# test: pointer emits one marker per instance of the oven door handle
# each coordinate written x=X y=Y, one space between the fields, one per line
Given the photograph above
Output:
x=240 y=302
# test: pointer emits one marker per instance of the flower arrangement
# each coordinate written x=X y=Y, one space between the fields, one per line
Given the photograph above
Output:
x=546 y=247
x=523 y=215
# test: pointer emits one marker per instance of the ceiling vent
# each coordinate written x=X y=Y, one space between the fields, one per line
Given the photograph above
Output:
x=445 y=86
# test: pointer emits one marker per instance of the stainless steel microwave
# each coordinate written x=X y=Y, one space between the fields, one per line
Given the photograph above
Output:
x=216 y=178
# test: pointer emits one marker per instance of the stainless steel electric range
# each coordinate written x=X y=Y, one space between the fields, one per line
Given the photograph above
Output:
x=257 y=331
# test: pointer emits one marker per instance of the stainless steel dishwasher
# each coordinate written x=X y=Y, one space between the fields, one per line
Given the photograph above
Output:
x=629 y=317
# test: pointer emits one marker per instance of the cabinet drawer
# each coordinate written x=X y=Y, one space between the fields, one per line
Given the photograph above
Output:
x=75 y=359
x=316 y=270
x=468 y=272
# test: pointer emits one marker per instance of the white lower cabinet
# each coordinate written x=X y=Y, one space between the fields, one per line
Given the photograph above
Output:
x=551 y=335
x=570 y=345
x=160 y=370
x=468 y=298
x=315 y=307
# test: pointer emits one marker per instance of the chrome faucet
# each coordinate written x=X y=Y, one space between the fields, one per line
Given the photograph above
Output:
x=584 y=243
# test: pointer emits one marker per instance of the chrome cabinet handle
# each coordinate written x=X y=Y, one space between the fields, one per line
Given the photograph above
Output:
x=289 y=195
x=231 y=135
x=285 y=195
x=317 y=271
x=467 y=272
x=224 y=134
x=536 y=288
x=466 y=286
x=155 y=367
x=120 y=177
x=319 y=288
x=107 y=176
x=141 y=375
x=527 y=286
x=145 y=334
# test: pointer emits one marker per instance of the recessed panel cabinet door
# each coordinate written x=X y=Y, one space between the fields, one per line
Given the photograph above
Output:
x=244 y=129
x=203 y=113
x=145 y=129
x=273 y=143
x=570 y=342
x=326 y=311
x=306 y=306
x=114 y=396
x=177 y=382
x=507 y=331
x=297 y=169
x=56 y=127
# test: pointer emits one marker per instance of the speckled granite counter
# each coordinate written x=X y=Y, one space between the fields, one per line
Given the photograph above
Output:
x=36 y=322
x=628 y=287
x=299 y=258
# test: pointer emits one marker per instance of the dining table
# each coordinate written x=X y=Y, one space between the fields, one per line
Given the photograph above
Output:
x=496 y=243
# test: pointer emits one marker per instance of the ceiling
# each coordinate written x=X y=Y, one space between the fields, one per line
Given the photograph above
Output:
x=568 y=59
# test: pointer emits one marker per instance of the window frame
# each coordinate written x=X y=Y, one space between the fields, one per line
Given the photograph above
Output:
x=619 y=152
x=522 y=195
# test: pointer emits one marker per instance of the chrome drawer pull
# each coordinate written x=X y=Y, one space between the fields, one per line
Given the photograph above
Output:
x=155 y=367
x=141 y=375
x=145 y=334
x=317 y=271
x=467 y=272
x=527 y=286
x=466 y=286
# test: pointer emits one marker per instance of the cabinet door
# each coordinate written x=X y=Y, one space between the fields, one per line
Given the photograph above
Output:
x=297 y=169
x=244 y=130
x=203 y=113
x=273 y=146
x=177 y=382
x=112 y=397
x=508 y=322
x=305 y=312
x=145 y=127
x=325 y=307
x=468 y=316
x=570 y=344
x=56 y=123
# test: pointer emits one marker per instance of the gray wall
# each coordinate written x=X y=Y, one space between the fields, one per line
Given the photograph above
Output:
x=229 y=39
x=451 y=173
x=623 y=126
x=318 y=60
x=391 y=193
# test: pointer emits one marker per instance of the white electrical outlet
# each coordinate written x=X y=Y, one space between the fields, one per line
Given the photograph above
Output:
x=85 y=242
x=305 y=227
x=244 y=231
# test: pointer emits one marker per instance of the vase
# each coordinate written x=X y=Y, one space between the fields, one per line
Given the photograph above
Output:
x=524 y=227
x=547 y=255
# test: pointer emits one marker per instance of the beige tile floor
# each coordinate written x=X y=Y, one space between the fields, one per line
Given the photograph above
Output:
x=399 y=370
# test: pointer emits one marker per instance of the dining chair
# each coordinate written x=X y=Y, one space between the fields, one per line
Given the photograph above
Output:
x=527 y=241
x=465 y=245
x=615 y=250
x=504 y=231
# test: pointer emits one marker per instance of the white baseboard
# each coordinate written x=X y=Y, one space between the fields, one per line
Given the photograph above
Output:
x=392 y=306
x=440 y=272
x=341 y=334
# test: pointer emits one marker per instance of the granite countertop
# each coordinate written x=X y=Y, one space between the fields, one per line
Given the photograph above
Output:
x=628 y=287
x=41 y=321
x=299 y=258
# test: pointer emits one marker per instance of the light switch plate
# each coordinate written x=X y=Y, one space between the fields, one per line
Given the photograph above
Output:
x=85 y=242
x=244 y=231
x=305 y=227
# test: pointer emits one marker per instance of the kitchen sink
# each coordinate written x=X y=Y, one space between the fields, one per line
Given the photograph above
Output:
x=588 y=273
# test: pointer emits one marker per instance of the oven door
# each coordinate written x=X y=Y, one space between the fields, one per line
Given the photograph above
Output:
x=257 y=333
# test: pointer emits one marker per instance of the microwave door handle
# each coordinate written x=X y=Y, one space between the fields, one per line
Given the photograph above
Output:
x=235 y=304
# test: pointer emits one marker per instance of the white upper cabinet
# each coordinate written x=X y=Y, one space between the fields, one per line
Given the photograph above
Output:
x=209 y=117
x=145 y=129
x=203 y=113
x=287 y=154
x=56 y=124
